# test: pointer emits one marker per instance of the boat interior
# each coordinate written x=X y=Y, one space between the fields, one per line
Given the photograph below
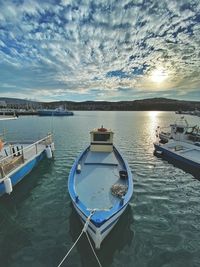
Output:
x=99 y=170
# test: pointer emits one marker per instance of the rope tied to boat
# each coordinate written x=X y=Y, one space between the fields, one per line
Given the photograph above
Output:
x=84 y=230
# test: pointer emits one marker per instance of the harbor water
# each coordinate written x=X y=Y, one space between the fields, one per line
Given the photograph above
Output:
x=160 y=227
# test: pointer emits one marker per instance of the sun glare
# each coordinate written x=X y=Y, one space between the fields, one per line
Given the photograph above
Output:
x=159 y=75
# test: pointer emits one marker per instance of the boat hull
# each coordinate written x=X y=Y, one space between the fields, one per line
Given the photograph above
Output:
x=163 y=152
x=98 y=234
x=55 y=113
x=22 y=171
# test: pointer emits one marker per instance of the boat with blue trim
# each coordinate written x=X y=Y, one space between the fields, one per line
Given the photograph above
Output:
x=182 y=146
x=17 y=159
x=100 y=185
x=183 y=152
x=60 y=111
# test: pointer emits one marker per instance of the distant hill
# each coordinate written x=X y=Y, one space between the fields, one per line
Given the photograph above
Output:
x=162 y=104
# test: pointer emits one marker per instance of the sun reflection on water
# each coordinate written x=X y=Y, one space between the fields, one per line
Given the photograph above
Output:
x=153 y=117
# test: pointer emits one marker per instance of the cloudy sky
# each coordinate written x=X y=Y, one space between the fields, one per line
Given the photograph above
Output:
x=100 y=50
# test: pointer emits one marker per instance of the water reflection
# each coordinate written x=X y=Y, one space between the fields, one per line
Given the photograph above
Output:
x=152 y=125
x=11 y=228
x=151 y=121
x=38 y=225
x=120 y=236
x=22 y=190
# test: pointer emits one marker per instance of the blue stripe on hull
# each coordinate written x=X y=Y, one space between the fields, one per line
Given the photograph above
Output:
x=21 y=173
x=84 y=221
x=172 y=155
x=110 y=225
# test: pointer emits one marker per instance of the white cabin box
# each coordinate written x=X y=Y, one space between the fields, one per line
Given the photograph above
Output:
x=101 y=140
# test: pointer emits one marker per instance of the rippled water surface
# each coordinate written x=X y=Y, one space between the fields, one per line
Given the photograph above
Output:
x=161 y=226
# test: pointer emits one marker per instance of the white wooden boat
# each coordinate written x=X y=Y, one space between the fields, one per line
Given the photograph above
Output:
x=100 y=185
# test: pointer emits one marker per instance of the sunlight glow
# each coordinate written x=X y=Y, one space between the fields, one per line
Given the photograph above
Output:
x=152 y=125
x=153 y=114
x=159 y=75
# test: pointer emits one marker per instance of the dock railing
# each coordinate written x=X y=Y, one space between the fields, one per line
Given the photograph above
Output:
x=21 y=155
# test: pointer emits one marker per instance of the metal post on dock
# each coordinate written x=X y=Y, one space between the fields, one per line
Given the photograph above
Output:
x=2 y=171
x=22 y=154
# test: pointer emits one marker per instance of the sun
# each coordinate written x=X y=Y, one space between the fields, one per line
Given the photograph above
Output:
x=159 y=75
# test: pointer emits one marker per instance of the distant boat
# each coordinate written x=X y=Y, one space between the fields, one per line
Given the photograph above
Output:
x=100 y=185
x=55 y=112
x=17 y=159
x=195 y=112
x=8 y=117
x=8 y=114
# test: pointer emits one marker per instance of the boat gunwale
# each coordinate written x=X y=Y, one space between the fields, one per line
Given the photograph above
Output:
x=27 y=148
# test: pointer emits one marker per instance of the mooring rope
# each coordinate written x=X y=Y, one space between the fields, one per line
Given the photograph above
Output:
x=93 y=249
x=84 y=230
x=71 y=249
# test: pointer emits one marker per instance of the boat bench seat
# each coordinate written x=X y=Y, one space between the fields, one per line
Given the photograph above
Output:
x=103 y=158
x=97 y=163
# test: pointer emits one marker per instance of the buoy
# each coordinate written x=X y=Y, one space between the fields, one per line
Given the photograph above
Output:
x=8 y=185
x=52 y=146
x=49 y=152
x=78 y=169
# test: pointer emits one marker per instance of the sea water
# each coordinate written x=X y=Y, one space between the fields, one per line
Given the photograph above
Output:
x=159 y=228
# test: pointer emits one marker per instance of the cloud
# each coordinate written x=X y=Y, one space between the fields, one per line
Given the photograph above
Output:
x=99 y=49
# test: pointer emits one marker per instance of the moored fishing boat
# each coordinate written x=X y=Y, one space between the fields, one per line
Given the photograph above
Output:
x=183 y=152
x=100 y=185
x=182 y=147
x=179 y=130
x=17 y=159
